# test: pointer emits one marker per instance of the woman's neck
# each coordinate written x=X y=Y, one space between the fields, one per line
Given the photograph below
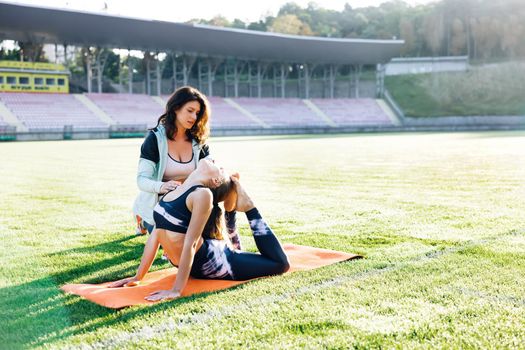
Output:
x=196 y=178
x=181 y=134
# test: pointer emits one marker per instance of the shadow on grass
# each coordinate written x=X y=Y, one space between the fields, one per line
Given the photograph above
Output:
x=38 y=312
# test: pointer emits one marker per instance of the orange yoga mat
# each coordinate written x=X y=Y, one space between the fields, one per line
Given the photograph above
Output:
x=301 y=258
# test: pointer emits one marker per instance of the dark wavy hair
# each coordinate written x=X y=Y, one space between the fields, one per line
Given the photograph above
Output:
x=215 y=224
x=201 y=129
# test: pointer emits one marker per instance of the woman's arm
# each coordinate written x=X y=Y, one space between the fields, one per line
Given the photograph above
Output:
x=148 y=163
x=150 y=251
x=145 y=176
x=201 y=201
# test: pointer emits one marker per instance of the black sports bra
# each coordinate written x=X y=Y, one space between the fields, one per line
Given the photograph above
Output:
x=174 y=215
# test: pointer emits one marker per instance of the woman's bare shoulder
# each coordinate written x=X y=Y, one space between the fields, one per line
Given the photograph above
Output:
x=203 y=196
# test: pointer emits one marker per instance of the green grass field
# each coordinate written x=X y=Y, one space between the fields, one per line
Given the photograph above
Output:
x=440 y=219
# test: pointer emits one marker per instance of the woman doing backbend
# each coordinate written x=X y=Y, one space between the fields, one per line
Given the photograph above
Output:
x=171 y=151
x=188 y=228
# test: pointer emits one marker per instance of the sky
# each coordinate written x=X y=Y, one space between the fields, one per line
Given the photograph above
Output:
x=182 y=11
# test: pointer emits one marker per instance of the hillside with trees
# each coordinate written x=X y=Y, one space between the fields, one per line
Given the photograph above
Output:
x=481 y=29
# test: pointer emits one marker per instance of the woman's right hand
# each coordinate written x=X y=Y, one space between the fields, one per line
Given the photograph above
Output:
x=125 y=282
x=169 y=186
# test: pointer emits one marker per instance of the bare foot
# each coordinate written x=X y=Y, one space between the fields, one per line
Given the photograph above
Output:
x=231 y=199
x=244 y=202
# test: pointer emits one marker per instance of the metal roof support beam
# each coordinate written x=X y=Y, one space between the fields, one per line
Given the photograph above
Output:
x=331 y=77
x=100 y=59
x=205 y=75
x=350 y=81
x=187 y=65
x=147 y=81
x=255 y=78
x=179 y=77
x=185 y=71
x=284 y=74
x=89 y=71
x=213 y=65
x=130 y=74
x=325 y=74
x=174 y=71
x=153 y=76
x=199 y=75
x=232 y=71
x=243 y=65
x=306 y=81
x=229 y=75
x=158 y=74
x=357 y=75
x=354 y=79
x=280 y=73
x=304 y=74
x=236 y=79
x=210 y=79
x=182 y=71
x=120 y=89
x=261 y=72
x=380 y=80
x=66 y=59
x=250 y=81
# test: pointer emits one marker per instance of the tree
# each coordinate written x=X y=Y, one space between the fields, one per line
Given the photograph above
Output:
x=260 y=26
x=458 y=41
x=290 y=24
x=219 y=21
x=9 y=55
x=237 y=23
x=433 y=33
x=407 y=33
x=32 y=52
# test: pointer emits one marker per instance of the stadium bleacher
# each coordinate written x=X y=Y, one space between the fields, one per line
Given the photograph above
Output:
x=54 y=111
x=227 y=116
x=50 y=111
x=350 y=112
x=279 y=112
x=129 y=109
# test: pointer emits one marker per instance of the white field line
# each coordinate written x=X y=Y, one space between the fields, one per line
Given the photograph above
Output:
x=508 y=299
x=179 y=323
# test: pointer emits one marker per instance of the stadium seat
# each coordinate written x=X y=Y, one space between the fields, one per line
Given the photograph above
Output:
x=50 y=111
x=353 y=112
x=279 y=112
x=129 y=109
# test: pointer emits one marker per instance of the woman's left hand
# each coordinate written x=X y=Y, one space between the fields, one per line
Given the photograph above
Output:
x=163 y=295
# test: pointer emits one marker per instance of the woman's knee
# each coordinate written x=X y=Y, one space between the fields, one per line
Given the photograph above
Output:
x=284 y=266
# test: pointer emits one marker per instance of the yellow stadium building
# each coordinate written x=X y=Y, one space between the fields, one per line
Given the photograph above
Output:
x=33 y=77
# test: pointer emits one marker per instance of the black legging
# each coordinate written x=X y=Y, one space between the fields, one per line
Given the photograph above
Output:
x=215 y=260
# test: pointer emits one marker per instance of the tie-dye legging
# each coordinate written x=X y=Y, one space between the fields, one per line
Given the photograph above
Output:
x=215 y=259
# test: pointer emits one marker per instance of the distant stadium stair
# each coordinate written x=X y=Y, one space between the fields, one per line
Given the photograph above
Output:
x=11 y=119
x=106 y=119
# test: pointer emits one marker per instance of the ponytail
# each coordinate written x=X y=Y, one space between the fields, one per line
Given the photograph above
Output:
x=213 y=227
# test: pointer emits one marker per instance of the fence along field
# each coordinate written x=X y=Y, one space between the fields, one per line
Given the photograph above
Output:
x=438 y=217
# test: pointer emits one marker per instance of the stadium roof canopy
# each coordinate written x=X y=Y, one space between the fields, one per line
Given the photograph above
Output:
x=50 y=25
